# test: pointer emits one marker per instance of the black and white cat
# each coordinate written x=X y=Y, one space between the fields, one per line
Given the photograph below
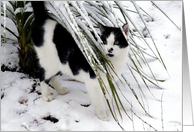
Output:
x=58 y=53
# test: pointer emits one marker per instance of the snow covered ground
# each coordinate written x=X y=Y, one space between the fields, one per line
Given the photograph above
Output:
x=22 y=105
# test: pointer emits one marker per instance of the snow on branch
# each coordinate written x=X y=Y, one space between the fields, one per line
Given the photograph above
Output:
x=4 y=22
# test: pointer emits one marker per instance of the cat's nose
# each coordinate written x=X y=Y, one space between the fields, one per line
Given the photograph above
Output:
x=110 y=50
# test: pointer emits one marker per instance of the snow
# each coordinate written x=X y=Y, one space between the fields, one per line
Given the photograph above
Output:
x=21 y=106
x=10 y=56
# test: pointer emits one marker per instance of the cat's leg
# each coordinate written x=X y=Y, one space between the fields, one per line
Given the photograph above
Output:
x=97 y=98
x=45 y=92
x=44 y=86
x=57 y=85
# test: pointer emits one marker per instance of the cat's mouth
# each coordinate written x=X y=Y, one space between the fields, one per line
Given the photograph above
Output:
x=110 y=55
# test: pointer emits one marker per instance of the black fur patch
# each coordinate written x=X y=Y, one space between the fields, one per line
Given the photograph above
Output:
x=68 y=51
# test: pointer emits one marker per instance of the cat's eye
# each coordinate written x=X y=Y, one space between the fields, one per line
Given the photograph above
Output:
x=116 y=42
x=105 y=42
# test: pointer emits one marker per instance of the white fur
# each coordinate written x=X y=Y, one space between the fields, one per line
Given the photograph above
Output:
x=45 y=92
x=49 y=60
x=110 y=42
x=56 y=84
x=47 y=53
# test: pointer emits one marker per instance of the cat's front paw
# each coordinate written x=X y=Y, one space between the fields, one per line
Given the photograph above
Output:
x=105 y=119
x=48 y=98
x=63 y=91
x=102 y=116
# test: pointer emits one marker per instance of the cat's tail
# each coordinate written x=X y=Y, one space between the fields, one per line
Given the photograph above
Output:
x=39 y=9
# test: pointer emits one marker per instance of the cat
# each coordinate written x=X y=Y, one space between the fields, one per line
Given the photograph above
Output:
x=58 y=53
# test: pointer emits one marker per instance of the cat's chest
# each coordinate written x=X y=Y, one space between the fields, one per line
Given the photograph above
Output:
x=119 y=61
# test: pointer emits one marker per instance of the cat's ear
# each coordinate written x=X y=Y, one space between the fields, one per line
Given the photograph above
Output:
x=126 y=28
x=102 y=27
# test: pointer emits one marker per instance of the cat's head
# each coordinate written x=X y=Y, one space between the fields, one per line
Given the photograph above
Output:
x=113 y=39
